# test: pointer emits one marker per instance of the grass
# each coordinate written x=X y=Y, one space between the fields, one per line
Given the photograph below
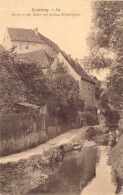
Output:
x=14 y=145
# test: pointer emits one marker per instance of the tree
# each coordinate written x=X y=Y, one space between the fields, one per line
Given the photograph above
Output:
x=25 y=81
x=65 y=93
x=21 y=81
x=105 y=43
x=11 y=88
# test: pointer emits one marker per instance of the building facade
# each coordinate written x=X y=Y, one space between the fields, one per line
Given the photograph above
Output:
x=26 y=40
x=33 y=45
x=88 y=93
x=86 y=83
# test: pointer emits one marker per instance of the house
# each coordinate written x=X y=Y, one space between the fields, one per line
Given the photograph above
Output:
x=31 y=45
x=86 y=83
x=27 y=40
x=26 y=107
x=40 y=57
x=2 y=48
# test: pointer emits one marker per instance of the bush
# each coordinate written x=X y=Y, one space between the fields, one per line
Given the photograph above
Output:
x=90 y=133
x=14 y=144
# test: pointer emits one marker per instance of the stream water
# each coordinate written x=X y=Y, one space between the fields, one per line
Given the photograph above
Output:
x=83 y=172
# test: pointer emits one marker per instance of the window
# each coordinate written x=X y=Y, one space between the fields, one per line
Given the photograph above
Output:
x=34 y=46
x=84 y=85
x=20 y=45
x=88 y=86
x=27 y=46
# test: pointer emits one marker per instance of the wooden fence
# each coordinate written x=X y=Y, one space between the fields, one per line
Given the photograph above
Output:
x=20 y=124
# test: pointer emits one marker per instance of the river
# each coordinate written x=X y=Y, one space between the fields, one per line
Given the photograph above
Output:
x=84 y=172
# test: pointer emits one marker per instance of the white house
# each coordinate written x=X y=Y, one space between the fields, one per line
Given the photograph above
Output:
x=27 y=40
x=86 y=83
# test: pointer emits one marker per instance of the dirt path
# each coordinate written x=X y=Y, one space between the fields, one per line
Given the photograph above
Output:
x=102 y=183
x=57 y=141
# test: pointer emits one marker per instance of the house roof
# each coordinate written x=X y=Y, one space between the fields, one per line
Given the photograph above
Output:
x=28 y=105
x=19 y=34
x=2 y=48
x=40 y=57
x=77 y=68
x=50 y=43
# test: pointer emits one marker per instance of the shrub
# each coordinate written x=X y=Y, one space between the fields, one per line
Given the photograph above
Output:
x=14 y=144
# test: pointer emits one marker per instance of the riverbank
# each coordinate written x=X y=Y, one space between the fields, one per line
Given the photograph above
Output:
x=116 y=161
x=102 y=183
x=25 y=171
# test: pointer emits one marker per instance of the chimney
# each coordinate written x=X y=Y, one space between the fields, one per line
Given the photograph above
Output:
x=36 y=31
x=76 y=61
x=69 y=57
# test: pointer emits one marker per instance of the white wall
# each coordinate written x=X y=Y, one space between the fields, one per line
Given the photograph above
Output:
x=22 y=45
x=70 y=69
x=7 y=44
x=25 y=47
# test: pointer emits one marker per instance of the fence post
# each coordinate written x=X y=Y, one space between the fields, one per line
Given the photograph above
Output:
x=44 y=121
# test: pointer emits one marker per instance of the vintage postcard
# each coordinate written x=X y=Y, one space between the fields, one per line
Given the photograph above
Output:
x=61 y=97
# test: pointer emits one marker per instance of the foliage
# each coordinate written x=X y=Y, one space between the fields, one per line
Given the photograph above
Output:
x=65 y=92
x=115 y=86
x=21 y=81
x=11 y=88
x=14 y=144
x=25 y=81
x=106 y=24
x=105 y=43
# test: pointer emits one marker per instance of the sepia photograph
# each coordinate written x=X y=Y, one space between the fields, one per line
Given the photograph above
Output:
x=61 y=97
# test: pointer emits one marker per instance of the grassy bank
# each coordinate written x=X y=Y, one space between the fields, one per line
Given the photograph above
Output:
x=116 y=161
x=21 y=176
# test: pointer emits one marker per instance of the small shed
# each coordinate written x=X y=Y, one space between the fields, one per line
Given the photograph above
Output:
x=36 y=113
x=24 y=107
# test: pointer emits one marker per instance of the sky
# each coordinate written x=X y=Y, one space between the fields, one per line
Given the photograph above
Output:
x=69 y=32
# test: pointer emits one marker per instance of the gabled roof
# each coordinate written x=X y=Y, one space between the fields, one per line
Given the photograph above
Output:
x=28 y=105
x=77 y=68
x=40 y=57
x=2 y=48
x=50 y=43
x=19 y=34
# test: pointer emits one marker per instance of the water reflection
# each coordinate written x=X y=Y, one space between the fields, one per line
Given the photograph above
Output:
x=76 y=170
x=81 y=173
